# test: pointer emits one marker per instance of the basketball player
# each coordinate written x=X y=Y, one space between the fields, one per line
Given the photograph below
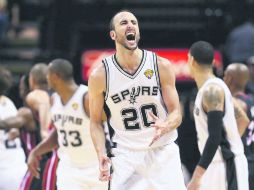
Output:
x=38 y=99
x=138 y=90
x=78 y=166
x=11 y=153
x=222 y=164
x=236 y=76
x=30 y=136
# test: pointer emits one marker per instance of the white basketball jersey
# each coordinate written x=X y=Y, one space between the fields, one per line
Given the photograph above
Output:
x=130 y=97
x=229 y=121
x=10 y=150
x=73 y=129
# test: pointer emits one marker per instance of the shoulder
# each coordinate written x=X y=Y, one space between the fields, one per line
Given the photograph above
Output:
x=98 y=71
x=37 y=97
x=38 y=94
x=97 y=77
x=166 y=70
x=213 y=97
x=8 y=103
x=5 y=100
x=163 y=62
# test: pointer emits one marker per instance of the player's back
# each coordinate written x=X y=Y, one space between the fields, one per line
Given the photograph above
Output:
x=72 y=124
x=230 y=134
x=129 y=98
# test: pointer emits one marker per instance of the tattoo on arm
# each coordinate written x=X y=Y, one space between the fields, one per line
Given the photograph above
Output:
x=238 y=113
x=213 y=98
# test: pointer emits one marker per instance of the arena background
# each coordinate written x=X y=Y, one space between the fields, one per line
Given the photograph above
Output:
x=41 y=30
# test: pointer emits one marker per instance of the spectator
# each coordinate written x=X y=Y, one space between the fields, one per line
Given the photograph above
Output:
x=3 y=20
x=250 y=85
x=240 y=42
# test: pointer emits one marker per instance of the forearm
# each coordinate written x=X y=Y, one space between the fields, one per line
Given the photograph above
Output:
x=198 y=173
x=11 y=123
x=215 y=126
x=98 y=137
x=47 y=145
x=174 y=119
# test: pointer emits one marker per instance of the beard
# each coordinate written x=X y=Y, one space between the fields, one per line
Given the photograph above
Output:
x=125 y=45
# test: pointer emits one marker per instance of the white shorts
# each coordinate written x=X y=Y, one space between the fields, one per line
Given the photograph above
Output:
x=215 y=175
x=154 y=169
x=69 y=177
x=13 y=170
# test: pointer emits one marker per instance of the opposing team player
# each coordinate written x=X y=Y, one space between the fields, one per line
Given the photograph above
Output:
x=236 y=76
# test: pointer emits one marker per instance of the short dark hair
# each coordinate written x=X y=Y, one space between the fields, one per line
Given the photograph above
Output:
x=5 y=80
x=111 y=23
x=202 y=52
x=39 y=73
x=63 y=68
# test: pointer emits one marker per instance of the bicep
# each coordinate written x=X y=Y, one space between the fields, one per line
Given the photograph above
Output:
x=96 y=99
x=170 y=97
x=239 y=108
x=169 y=92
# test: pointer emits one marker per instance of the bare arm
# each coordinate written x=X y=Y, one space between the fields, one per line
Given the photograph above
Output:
x=241 y=116
x=96 y=103
x=169 y=93
x=24 y=119
x=171 y=100
x=39 y=101
x=96 y=86
x=45 y=146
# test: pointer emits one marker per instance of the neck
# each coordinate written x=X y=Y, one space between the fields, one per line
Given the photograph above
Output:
x=202 y=76
x=40 y=87
x=66 y=90
x=128 y=59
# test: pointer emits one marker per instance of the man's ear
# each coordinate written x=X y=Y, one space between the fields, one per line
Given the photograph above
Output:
x=112 y=34
x=192 y=61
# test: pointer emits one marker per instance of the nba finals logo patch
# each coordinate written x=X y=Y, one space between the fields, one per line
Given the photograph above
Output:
x=75 y=106
x=148 y=73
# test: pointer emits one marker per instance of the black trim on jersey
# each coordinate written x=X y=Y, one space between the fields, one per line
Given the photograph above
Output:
x=108 y=114
x=156 y=70
x=157 y=74
x=132 y=76
x=107 y=78
x=229 y=156
x=83 y=104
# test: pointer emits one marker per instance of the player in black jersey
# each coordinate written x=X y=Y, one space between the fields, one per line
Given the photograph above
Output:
x=236 y=77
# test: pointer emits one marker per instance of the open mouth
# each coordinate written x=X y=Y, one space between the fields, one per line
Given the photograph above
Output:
x=130 y=37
